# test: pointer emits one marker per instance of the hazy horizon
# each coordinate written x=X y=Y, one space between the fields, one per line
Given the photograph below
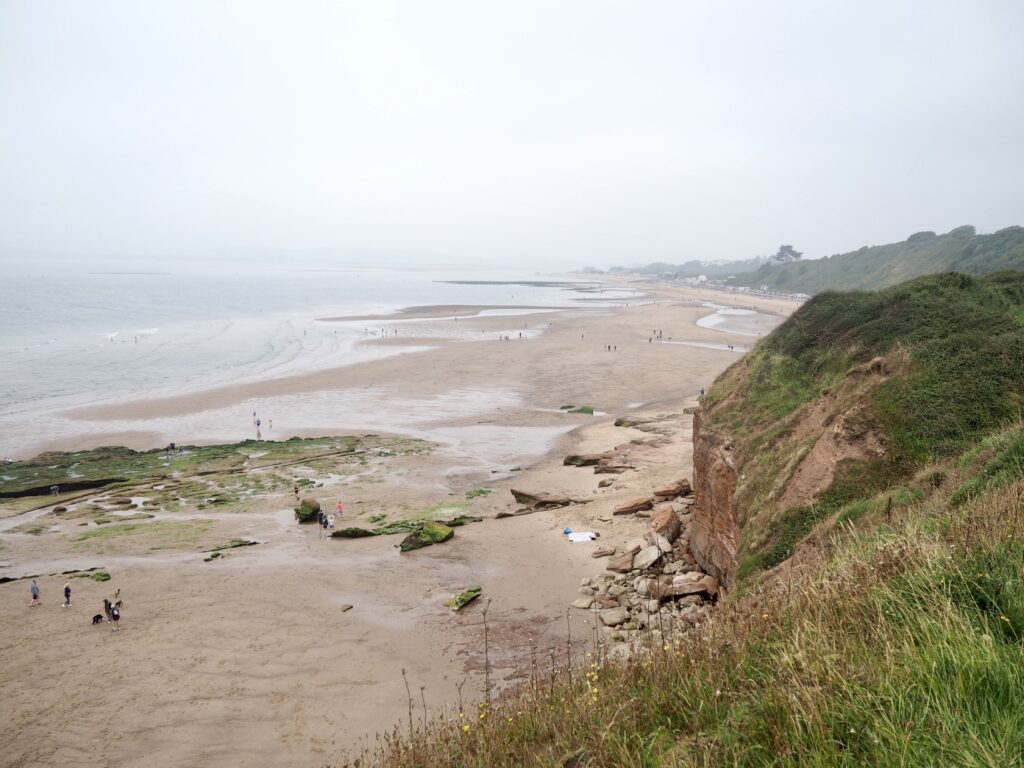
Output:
x=545 y=136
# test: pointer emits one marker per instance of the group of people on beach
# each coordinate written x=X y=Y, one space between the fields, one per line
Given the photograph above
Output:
x=326 y=522
x=112 y=609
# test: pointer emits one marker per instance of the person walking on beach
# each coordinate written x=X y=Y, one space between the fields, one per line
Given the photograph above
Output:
x=34 y=589
x=67 y=595
x=330 y=525
x=339 y=509
x=115 y=619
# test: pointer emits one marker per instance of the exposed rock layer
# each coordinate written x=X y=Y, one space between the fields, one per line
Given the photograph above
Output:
x=714 y=536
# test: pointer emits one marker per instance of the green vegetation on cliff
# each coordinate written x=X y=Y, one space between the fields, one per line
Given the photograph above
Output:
x=902 y=377
x=871 y=268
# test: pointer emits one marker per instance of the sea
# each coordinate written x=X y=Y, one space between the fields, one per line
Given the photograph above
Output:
x=75 y=333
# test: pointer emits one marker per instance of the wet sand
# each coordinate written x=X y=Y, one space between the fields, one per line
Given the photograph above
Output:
x=250 y=660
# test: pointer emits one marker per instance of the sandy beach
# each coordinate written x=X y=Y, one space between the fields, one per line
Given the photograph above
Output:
x=250 y=659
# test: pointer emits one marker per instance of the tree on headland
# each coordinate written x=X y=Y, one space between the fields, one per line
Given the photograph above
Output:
x=787 y=254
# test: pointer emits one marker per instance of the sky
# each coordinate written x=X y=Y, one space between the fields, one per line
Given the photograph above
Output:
x=541 y=134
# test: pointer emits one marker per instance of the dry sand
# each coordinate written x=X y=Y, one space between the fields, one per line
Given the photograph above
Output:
x=249 y=660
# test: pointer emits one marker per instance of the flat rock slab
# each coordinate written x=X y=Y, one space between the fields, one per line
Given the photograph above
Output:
x=680 y=487
x=613 y=617
x=645 y=558
x=583 y=603
x=584 y=459
x=634 y=505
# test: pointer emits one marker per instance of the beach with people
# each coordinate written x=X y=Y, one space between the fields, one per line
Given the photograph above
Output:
x=246 y=637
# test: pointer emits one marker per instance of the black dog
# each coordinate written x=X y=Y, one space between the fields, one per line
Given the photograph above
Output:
x=97 y=619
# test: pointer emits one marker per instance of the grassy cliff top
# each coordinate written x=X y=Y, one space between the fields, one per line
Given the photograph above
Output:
x=874 y=267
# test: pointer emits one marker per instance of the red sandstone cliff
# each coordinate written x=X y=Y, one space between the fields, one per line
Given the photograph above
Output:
x=714 y=535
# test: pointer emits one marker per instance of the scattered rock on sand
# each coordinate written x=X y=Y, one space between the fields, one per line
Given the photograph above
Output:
x=584 y=459
x=540 y=500
x=634 y=505
x=583 y=603
x=605 y=483
x=672 y=490
x=623 y=563
x=602 y=552
x=612 y=617
x=464 y=598
x=611 y=469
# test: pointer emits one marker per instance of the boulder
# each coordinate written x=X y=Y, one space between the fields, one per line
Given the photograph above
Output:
x=605 y=601
x=584 y=459
x=613 y=617
x=623 y=563
x=693 y=583
x=659 y=541
x=427 y=534
x=665 y=523
x=583 y=603
x=672 y=490
x=611 y=469
x=307 y=510
x=602 y=552
x=645 y=558
x=634 y=505
x=540 y=500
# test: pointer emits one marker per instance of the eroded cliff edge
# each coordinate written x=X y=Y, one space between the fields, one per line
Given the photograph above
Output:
x=715 y=535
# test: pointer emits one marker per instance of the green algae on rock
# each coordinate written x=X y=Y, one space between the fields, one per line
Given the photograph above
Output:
x=427 y=534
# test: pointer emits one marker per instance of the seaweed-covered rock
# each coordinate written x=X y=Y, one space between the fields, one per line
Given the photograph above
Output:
x=428 y=533
x=456 y=602
x=352 y=533
x=307 y=510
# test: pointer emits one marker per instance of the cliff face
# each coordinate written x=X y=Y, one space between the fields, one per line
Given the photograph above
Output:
x=714 y=535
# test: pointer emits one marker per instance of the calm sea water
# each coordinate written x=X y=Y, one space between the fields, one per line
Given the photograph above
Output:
x=75 y=333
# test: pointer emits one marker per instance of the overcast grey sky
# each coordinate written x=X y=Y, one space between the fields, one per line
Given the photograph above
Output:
x=562 y=133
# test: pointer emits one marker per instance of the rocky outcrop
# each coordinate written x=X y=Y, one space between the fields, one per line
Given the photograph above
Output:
x=714 y=532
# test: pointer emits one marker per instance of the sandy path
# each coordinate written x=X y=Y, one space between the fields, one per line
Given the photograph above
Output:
x=250 y=661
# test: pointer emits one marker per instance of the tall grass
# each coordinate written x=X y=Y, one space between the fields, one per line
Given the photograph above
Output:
x=902 y=646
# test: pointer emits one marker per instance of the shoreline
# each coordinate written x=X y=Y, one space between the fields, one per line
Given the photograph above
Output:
x=256 y=628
